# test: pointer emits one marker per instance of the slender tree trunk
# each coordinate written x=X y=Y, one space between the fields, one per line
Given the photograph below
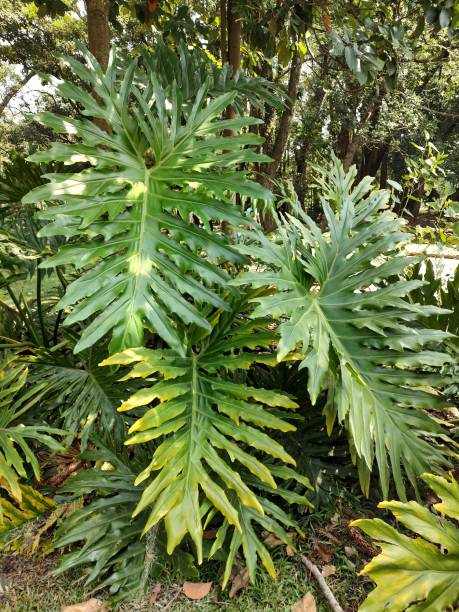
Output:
x=234 y=36
x=384 y=169
x=98 y=30
x=280 y=141
x=234 y=49
x=223 y=32
x=13 y=91
x=98 y=26
x=353 y=147
x=286 y=117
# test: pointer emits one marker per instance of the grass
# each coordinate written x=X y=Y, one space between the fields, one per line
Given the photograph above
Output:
x=28 y=586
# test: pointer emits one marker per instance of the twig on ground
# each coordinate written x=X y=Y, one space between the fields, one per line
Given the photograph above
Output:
x=169 y=604
x=323 y=585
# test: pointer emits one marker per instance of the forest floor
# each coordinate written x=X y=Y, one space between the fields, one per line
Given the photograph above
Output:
x=27 y=584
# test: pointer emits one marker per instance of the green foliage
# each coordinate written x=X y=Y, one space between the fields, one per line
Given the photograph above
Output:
x=205 y=418
x=143 y=214
x=113 y=551
x=16 y=515
x=75 y=392
x=360 y=338
x=17 y=178
x=16 y=453
x=162 y=155
x=420 y=573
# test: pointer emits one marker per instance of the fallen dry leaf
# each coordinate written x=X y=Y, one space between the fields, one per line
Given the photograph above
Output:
x=272 y=540
x=196 y=590
x=154 y=594
x=91 y=605
x=239 y=582
x=289 y=551
x=328 y=570
x=323 y=552
x=305 y=604
x=210 y=534
x=327 y=533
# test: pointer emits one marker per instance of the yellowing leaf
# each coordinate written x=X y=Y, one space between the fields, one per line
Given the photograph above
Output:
x=425 y=569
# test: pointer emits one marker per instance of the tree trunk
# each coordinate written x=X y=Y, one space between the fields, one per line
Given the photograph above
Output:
x=280 y=141
x=286 y=117
x=223 y=32
x=352 y=149
x=384 y=170
x=98 y=30
x=13 y=91
x=372 y=159
x=234 y=37
x=234 y=49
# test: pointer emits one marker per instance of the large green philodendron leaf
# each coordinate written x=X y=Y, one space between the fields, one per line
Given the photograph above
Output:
x=360 y=338
x=422 y=573
x=211 y=429
x=128 y=215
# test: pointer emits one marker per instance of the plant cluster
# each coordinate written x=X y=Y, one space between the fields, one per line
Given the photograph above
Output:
x=173 y=307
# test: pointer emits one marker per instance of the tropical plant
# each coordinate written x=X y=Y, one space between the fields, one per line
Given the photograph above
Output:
x=144 y=218
x=425 y=569
x=75 y=392
x=16 y=453
x=360 y=338
x=206 y=417
x=163 y=160
x=16 y=516
x=114 y=554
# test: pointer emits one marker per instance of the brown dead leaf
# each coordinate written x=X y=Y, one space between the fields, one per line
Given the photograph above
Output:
x=210 y=534
x=91 y=605
x=328 y=570
x=196 y=590
x=272 y=540
x=323 y=552
x=239 y=582
x=154 y=594
x=305 y=604
x=327 y=532
x=289 y=551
